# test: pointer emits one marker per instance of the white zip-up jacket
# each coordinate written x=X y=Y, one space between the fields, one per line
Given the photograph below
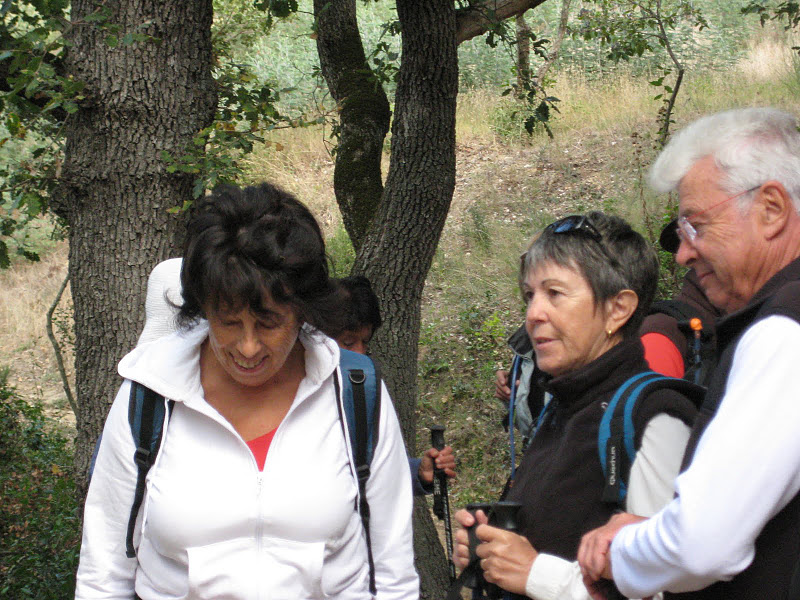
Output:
x=213 y=526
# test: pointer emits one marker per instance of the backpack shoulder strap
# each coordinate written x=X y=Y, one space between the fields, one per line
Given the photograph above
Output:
x=617 y=434
x=516 y=366
x=147 y=413
x=677 y=309
x=615 y=441
x=359 y=402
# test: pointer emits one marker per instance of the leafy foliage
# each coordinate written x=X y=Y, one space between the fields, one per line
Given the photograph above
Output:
x=788 y=11
x=39 y=523
x=38 y=95
x=629 y=28
x=35 y=98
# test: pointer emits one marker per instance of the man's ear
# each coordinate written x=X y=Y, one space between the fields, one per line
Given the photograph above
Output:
x=775 y=209
x=619 y=309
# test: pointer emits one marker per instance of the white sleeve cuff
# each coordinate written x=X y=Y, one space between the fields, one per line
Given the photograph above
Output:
x=553 y=578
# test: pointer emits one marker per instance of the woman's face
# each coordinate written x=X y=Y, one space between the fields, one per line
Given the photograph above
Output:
x=252 y=349
x=565 y=326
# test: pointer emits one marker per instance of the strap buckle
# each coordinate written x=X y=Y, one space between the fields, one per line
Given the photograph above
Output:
x=142 y=457
x=357 y=376
x=362 y=472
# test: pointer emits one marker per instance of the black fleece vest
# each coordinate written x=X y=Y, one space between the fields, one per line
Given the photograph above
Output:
x=560 y=481
x=778 y=544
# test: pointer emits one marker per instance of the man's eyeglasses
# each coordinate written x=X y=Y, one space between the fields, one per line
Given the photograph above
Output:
x=574 y=223
x=686 y=231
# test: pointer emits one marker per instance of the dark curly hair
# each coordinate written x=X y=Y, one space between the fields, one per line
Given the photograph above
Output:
x=360 y=303
x=246 y=244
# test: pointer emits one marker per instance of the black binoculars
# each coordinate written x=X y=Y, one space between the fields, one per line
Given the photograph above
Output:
x=502 y=515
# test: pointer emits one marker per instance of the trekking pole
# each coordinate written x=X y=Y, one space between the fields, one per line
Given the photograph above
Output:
x=441 y=502
x=697 y=327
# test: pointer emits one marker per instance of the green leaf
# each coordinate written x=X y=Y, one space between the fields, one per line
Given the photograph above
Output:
x=30 y=255
x=34 y=204
x=4 y=260
x=96 y=17
x=199 y=187
x=112 y=41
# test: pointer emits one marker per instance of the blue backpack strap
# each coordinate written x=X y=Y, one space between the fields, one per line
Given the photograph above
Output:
x=616 y=433
x=617 y=430
x=359 y=403
x=512 y=401
x=147 y=413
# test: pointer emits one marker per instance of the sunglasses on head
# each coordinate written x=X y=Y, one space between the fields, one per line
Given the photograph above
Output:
x=575 y=223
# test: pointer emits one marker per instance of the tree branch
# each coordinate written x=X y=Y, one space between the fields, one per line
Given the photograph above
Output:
x=57 y=348
x=482 y=14
x=556 y=47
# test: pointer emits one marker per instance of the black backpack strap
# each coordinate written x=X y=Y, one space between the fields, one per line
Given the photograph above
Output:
x=359 y=404
x=357 y=378
x=677 y=309
x=147 y=412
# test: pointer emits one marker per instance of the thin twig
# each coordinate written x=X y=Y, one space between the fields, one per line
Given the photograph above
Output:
x=670 y=106
x=57 y=348
x=556 y=47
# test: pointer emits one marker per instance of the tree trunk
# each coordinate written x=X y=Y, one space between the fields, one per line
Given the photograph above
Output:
x=141 y=98
x=398 y=250
x=364 y=115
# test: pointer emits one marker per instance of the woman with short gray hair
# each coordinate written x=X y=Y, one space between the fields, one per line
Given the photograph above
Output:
x=588 y=281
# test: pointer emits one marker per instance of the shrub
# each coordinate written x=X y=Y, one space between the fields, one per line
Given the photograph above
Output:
x=39 y=522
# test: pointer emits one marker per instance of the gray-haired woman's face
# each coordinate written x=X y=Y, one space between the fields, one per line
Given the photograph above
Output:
x=566 y=327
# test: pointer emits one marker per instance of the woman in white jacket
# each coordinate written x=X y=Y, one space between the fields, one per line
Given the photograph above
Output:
x=251 y=495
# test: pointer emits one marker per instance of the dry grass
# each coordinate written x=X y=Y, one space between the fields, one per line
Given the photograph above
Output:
x=300 y=162
x=770 y=56
x=26 y=292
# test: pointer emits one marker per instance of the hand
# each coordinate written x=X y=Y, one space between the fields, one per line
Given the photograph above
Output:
x=461 y=549
x=506 y=558
x=442 y=459
x=502 y=391
x=594 y=556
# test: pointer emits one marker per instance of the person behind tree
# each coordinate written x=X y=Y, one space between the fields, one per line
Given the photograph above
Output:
x=362 y=320
x=251 y=494
x=588 y=281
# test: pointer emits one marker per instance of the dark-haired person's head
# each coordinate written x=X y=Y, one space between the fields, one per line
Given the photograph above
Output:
x=588 y=281
x=362 y=314
x=248 y=248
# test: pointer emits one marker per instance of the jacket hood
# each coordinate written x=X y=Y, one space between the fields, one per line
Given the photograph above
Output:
x=170 y=366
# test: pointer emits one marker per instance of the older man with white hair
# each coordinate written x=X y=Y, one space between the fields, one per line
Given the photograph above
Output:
x=733 y=528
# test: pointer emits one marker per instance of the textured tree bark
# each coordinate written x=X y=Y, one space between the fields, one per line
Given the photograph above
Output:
x=364 y=115
x=141 y=99
x=398 y=250
x=523 y=54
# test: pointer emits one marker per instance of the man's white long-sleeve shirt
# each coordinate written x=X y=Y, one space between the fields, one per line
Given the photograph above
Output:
x=746 y=468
